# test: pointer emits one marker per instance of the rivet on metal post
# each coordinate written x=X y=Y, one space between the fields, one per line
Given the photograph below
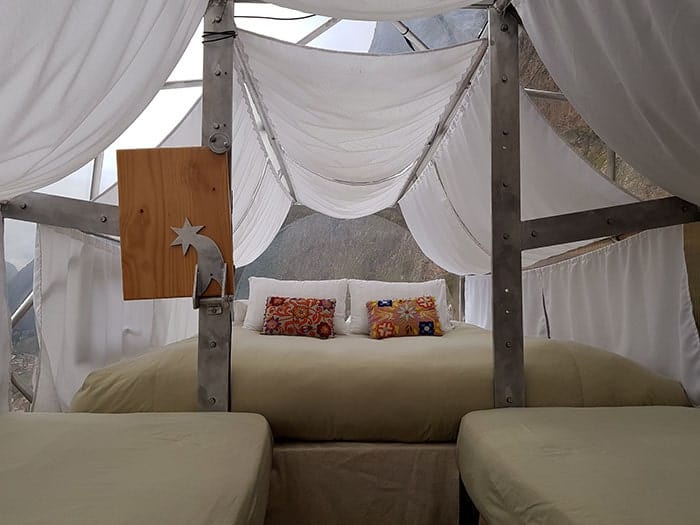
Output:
x=103 y=218
x=509 y=400
x=212 y=401
x=23 y=206
x=212 y=344
x=509 y=344
x=533 y=233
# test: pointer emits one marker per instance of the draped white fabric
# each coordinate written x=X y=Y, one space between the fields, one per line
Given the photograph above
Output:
x=75 y=74
x=631 y=298
x=629 y=67
x=344 y=201
x=375 y=9
x=5 y=339
x=478 y=303
x=448 y=210
x=82 y=321
x=352 y=118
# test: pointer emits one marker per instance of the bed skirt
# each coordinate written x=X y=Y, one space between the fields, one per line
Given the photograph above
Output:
x=369 y=483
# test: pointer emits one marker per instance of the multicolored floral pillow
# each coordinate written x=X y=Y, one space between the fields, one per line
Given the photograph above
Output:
x=299 y=316
x=403 y=317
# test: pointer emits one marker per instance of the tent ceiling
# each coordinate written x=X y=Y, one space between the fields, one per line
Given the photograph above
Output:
x=389 y=10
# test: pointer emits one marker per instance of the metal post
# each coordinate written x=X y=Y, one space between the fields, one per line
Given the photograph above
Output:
x=215 y=314
x=508 y=379
x=611 y=161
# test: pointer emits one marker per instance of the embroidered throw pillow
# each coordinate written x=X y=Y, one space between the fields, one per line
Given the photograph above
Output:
x=402 y=317
x=299 y=316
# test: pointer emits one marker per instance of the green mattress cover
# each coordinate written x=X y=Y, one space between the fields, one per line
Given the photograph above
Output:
x=583 y=466
x=139 y=469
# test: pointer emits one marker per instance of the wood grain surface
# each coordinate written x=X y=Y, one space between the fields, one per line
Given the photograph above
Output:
x=159 y=188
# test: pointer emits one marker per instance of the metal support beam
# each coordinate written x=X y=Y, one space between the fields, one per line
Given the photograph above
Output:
x=22 y=309
x=256 y=100
x=541 y=93
x=611 y=162
x=17 y=383
x=215 y=313
x=217 y=77
x=179 y=84
x=318 y=31
x=509 y=380
x=606 y=222
x=96 y=180
x=409 y=35
x=89 y=217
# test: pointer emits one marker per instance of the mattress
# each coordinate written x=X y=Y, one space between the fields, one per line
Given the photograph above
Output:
x=353 y=388
x=576 y=466
x=140 y=469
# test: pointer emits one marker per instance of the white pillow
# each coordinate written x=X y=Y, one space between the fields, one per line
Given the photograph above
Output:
x=363 y=291
x=261 y=288
x=240 y=307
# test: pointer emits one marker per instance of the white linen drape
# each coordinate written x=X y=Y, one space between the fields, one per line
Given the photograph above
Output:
x=630 y=298
x=82 y=321
x=375 y=9
x=478 y=305
x=75 y=74
x=352 y=118
x=449 y=209
x=629 y=67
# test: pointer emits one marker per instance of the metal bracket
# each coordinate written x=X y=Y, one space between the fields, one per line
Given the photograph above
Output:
x=214 y=348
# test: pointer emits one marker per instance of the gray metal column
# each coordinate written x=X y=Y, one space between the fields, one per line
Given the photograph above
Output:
x=215 y=313
x=508 y=381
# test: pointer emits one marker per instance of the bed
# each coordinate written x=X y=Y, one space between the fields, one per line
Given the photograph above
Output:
x=570 y=466
x=189 y=469
x=352 y=388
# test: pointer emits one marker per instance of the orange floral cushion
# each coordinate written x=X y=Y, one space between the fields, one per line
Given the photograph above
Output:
x=401 y=317
x=299 y=316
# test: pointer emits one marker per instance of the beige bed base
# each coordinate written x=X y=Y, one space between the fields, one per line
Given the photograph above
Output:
x=368 y=483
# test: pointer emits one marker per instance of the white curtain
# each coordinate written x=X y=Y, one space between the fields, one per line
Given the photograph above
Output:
x=631 y=298
x=478 y=303
x=375 y=9
x=5 y=332
x=449 y=209
x=82 y=321
x=75 y=74
x=349 y=121
x=629 y=67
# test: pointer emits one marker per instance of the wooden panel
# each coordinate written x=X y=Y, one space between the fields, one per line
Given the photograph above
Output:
x=158 y=189
x=692 y=260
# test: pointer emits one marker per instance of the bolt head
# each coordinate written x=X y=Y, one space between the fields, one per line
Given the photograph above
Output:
x=216 y=125
x=534 y=234
x=103 y=218
x=23 y=206
x=212 y=344
x=504 y=78
x=212 y=400
x=609 y=221
x=216 y=19
x=509 y=400
x=504 y=27
x=509 y=344
x=506 y=236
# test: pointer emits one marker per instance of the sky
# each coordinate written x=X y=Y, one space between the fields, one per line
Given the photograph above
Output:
x=169 y=106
